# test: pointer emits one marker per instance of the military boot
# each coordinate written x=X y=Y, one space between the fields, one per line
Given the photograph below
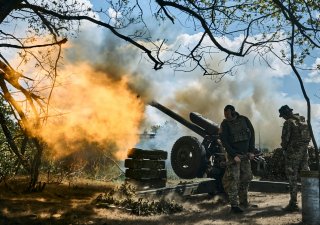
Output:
x=247 y=205
x=236 y=210
x=291 y=207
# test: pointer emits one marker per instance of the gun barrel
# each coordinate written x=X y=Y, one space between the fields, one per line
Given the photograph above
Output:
x=180 y=119
x=209 y=126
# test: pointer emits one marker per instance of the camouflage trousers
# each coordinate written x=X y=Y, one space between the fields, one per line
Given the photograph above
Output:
x=236 y=181
x=295 y=160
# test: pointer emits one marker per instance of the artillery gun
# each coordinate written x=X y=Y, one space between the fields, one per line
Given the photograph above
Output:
x=190 y=157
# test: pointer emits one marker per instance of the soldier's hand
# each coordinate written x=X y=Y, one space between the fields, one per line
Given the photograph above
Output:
x=251 y=156
x=237 y=159
x=284 y=153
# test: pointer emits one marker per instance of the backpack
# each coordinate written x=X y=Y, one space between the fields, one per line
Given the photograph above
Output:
x=304 y=130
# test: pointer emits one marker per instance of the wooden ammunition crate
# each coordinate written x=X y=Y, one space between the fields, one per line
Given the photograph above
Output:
x=145 y=169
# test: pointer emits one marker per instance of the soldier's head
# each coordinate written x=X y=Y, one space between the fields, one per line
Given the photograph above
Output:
x=229 y=112
x=285 y=111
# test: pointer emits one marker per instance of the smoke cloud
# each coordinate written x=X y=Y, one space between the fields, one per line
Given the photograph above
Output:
x=92 y=107
x=106 y=95
x=251 y=97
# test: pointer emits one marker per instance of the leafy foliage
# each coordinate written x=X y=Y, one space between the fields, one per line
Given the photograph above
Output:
x=90 y=161
x=8 y=162
x=275 y=164
x=124 y=197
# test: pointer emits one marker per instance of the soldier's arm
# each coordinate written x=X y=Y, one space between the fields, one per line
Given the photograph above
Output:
x=252 y=138
x=225 y=139
x=286 y=133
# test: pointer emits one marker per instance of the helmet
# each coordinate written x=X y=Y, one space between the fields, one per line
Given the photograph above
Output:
x=285 y=110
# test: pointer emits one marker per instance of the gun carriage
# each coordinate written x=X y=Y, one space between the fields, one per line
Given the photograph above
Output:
x=190 y=157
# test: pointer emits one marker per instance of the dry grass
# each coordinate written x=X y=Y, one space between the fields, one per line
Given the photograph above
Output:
x=72 y=204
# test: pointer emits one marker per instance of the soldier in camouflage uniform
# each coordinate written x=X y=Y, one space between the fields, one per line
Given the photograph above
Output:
x=237 y=136
x=295 y=139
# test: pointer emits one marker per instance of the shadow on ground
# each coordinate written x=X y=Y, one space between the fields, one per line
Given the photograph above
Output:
x=64 y=204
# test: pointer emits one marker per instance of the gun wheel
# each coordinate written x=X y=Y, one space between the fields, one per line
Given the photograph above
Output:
x=188 y=158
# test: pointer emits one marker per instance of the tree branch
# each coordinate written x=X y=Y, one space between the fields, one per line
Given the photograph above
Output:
x=157 y=64
x=6 y=7
x=203 y=24
x=292 y=64
x=64 y=40
x=11 y=142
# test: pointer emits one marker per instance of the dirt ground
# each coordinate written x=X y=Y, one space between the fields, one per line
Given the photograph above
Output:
x=72 y=204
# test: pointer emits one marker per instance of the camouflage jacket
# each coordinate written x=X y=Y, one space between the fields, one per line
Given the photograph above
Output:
x=237 y=136
x=293 y=134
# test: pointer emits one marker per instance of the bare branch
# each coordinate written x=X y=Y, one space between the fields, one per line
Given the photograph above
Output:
x=203 y=24
x=157 y=65
x=63 y=41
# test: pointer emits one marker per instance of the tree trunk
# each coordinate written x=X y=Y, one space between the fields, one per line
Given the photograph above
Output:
x=308 y=115
x=6 y=7
x=35 y=165
x=11 y=142
x=305 y=95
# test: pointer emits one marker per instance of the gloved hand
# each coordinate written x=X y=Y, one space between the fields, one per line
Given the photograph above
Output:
x=237 y=159
x=284 y=153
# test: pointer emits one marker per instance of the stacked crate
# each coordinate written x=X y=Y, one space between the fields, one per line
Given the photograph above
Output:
x=146 y=168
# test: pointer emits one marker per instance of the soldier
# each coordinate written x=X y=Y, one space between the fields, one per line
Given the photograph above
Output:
x=295 y=139
x=217 y=170
x=237 y=136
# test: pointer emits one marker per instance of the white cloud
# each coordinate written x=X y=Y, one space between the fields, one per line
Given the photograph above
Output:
x=314 y=76
x=185 y=42
x=114 y=15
